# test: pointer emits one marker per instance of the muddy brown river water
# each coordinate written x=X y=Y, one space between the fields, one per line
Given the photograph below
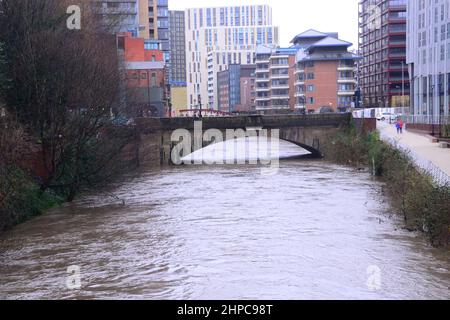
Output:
x=313 y=231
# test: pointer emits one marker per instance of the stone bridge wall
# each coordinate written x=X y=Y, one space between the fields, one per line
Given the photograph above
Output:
x=308 y=131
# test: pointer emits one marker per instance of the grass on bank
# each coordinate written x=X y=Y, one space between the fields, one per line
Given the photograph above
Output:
x=423 y=204
x=22 y=199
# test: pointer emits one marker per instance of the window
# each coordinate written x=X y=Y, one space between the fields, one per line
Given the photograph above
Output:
x=311 y=100
x=310 y=88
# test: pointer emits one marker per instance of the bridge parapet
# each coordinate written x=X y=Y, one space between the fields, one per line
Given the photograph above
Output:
x=241 y=122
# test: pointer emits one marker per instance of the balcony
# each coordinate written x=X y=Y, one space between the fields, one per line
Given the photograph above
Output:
x=262 y=89
x=279 y=66
x=262 y=99
x=344 y=67
x=281 y=106
x=299 y=94
x=281 y=86
x=299 y=71
x=299 y=82
x=346 y=92
x=399 y=79
x=397 y=55
x=262 y=71
x=280 y=96
x=397 y=43
x=279 y=76
x=346 y=80
x=279 y=57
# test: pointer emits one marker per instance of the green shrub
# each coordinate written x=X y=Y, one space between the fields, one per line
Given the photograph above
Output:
x=22 y=198
x=423 y=205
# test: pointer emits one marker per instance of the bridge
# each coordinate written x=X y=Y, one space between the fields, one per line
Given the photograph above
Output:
x=307 y=131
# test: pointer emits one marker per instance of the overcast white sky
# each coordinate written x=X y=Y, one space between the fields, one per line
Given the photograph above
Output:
x=295 y=16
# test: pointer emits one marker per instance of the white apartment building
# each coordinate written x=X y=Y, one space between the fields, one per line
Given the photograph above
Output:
x=217 y=37
x=274 y=83
x=428 y=56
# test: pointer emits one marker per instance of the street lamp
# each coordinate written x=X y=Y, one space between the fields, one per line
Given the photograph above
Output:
x=403 y=86
x=200 y=106
x=432 y=110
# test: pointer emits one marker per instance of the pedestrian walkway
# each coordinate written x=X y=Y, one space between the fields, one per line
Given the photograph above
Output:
x=427 y=155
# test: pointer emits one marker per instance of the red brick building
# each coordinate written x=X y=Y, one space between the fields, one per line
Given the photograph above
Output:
x=145 y=75
x=325 y=76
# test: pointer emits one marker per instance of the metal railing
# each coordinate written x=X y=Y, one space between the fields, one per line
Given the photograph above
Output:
x=429 y=119
x=423 y=165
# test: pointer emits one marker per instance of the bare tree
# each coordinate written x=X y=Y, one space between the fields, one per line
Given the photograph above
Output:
x=64 y=86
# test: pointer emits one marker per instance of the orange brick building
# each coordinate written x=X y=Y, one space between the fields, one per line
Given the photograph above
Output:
x=145 y=73
x=325 y=76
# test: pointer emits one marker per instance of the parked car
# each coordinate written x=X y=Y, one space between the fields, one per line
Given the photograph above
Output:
x=386 y=116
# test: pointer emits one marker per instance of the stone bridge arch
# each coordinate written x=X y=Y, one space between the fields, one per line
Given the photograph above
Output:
x=307 y=131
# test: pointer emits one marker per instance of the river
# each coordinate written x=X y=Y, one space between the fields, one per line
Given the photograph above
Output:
x=314 y=230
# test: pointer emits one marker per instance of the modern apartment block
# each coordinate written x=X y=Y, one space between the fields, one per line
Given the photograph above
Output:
x=158 y=12
x=383 y=75
x=325 y=75
x=317 y=72
x=119 y=15
x=428 y=56
x=177 y=68
x=217 y=38
x=274 y=84
x=177 y=48
x=236 y=88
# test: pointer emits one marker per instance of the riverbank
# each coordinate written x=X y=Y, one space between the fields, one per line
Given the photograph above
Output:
x=22 y=198
x=423 y=204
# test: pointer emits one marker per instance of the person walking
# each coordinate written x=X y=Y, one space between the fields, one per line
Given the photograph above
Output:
x=397 y=126
x=401 y=125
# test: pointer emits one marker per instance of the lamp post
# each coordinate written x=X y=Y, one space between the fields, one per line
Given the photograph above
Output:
x=200 y=106
x=403 y=86
x=432 y=110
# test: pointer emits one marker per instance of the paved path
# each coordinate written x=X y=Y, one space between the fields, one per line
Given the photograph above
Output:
x=427 y=155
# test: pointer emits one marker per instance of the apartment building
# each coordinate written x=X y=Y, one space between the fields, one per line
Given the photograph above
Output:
x=428 y=56
x=274 y=83
x=235 y=88
x=119 y=15
x=248 y=95
x=177 y=67
x=383 y=75
x=158 y=13
x=177 y=48
x=325 y=75
x=217 y=38
x=317 y=73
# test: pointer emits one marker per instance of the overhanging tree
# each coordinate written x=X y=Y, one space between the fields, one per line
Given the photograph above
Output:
x=64 y=84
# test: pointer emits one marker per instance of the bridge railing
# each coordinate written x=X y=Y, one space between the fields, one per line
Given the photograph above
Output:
x=235 y=122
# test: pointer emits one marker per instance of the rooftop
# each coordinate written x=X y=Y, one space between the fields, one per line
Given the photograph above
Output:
x=330 y=42
x=314 y=34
